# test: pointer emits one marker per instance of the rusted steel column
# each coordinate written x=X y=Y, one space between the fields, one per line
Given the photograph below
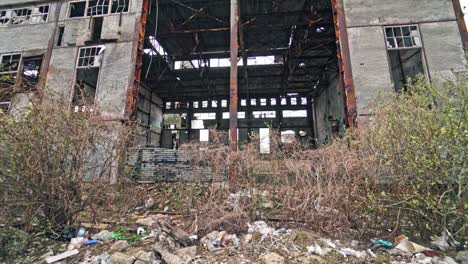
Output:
x=461 y=23
x=233 y=88
x=134 y=89
x=344 y=60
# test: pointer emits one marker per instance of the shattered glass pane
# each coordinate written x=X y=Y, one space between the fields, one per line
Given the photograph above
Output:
x=21 y=16
x=10 y=63
x=98 y=7
x=120 y=6
x=4 y=17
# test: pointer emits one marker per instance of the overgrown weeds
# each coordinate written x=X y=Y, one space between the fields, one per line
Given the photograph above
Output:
x=406 y=172
x=49 y=156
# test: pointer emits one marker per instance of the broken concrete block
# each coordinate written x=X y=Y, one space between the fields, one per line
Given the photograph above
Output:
x=168 y=257
x=145 y=256
x=187 y=253
x=121 y=258
x=120 y=245
x=147 y=221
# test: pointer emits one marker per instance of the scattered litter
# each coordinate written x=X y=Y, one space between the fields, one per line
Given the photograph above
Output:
x=141 y=231
x=260 y=227
x=385 y=244
x=316 y=249
x=104 y=236
x=64 y=255
x=410 y=247
x=90 y=242
x=351 y=252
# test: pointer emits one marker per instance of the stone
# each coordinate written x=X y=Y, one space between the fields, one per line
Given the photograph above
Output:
x=119 y=246
x=273 y=258
x=121 y=258
x=351 y=252
x=446 y=260
x=13 y=242
x=462 y=256
x=145 y=256
x=168 y=257
x=317 y=250
x=147 y=221
x=187 y=253
x=149 y=203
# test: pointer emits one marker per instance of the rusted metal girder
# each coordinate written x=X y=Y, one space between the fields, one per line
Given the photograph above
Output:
x=344 y=61
x=461 y=23
x=234 y=45
x=131 y=106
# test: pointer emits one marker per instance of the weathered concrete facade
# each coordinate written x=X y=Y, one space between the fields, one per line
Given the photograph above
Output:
x=440 y=35
x=62 y=35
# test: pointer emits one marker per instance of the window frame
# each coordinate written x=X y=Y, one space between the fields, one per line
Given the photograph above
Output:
x=109 y=11
x=30 y=18
x=19 y=63
x=394 y=37
x=421 y=47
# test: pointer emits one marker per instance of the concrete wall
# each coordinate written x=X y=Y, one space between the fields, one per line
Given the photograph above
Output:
x=366 y=18
x=329 y=109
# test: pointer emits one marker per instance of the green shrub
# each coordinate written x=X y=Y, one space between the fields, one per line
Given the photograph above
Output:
x=419 y=142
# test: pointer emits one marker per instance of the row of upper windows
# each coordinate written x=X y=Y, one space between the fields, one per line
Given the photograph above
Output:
x=84 y=8
x=81 y=8
x=243 y=102
x=24 y=15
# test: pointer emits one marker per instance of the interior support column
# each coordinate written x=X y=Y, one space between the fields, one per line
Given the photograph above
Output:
x=233 y=89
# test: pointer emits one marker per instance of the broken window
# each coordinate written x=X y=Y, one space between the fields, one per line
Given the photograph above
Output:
x=21 y=16
x=24 y=15
x=9 y=63
x=5 y=16
x=405 y=54
x=120 y=6
x=98 y=7
x=294 y=113
x=31 y=69
x=87 y=77
x=77 y=9
x=61 y=32
x=97 y=28
x=40 y=14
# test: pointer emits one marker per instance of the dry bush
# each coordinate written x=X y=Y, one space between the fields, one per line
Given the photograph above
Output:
x=48 y=158
x=325 y=188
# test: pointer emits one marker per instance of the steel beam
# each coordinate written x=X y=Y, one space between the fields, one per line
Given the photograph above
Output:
x=344 y=59
x=234 y=46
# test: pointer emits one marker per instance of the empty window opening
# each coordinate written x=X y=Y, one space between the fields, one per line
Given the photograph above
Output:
x=204 y=135
x=240 y=115
x=264 y=140
x=253 y=102
x=303 y=100
x=205 y=116
x=77 y=9
x=293 y=101
x=9 y=63
x=204 y=104
x=61 y=32
x=195 y=104
x=97 y=28
x=87 y=77
x=284 y=101
x=243 y=102
x=168 y=105
x=226 y=62
x=294 y=113
x=405 y=54
x=273 y=101
x=263 y=102
x=31 y=69
x=214 y=103
x=264 y=114
x=224 y=103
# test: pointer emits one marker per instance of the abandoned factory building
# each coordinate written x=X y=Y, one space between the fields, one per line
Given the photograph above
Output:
x=308 y=68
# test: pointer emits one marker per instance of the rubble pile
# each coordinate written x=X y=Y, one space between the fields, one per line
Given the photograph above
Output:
x=159 y=239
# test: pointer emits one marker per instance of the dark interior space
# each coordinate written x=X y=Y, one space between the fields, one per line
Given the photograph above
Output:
x=288 y=77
